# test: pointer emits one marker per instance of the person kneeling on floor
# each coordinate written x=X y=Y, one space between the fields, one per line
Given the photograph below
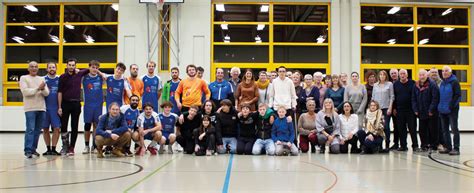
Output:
x=112 y=130
x=372 y=136
x=283 y=133
x=149 y=128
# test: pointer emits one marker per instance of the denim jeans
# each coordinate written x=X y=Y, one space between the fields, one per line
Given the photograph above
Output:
x=34 y=119
x=446 y=121
x=228 y=141
x=268 y=145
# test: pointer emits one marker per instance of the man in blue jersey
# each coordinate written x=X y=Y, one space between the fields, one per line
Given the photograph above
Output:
x=93 y=101
x=131 y=114
x=52 y=118
x=149 y=128
x=152 y=86
x=220 y=89
x=117 y=86
x=169 y=89
x=168 y=123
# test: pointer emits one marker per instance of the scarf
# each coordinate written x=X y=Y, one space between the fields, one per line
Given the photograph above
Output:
x=263 y=85
x=423 y=86
x=371 y=116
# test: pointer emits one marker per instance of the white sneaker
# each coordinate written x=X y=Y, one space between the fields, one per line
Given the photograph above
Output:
x=87 y=150
x=94 y=151
x=178 y=147
x=170 y=149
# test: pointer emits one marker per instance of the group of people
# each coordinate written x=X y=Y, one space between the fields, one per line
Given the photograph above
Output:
x=280 y=113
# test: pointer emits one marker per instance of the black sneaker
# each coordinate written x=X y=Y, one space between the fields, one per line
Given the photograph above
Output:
x=386 y=150
x=454 y=152
x=402 y=149
x=55 y=153
x=444 y=151
x=47 y=153
x=416 y=149
x=36 y=154
x=394 y=147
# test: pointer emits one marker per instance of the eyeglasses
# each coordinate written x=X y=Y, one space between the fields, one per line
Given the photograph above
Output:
x=281 y=71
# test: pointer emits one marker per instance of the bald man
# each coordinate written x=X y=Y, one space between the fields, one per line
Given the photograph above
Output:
x=402 y=108
x=396 y=138
x=448 y=107
x=425 y=100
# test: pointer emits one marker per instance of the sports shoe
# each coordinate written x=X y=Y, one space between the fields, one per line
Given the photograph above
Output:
x=128 y=153
x=70 y=152
x=394 y=147
x=64 y=151
x=162 y=149
x=440 y=147
x=108 y=150
x=94 y=151
x=47 y=153
x=36 y=154
x=444 y=151
x=87 y=150
x=170 y=149
x=208 y=153
x=140 y=151
x=55 y=153
x=152 y=150
x=402 y=149
x=178 y=147
x=28 y=155
x=454 y=152
x=117 y=152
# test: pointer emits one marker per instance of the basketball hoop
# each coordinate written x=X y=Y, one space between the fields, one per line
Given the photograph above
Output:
x=159 y=4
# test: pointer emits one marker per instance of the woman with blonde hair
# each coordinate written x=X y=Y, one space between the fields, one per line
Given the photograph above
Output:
x=328 y=127
x=373 y=134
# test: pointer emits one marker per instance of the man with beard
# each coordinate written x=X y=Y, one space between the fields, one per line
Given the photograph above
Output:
x=131 y=114
x=69 y=103
x=52 y=117
x=191 y=89
x=93 y=102
x=170 y=88
x=136 y=85
x=152 y=85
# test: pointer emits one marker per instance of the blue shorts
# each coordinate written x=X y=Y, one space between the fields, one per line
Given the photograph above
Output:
x=51 y=119
x=166 y=135
x=92 y=113
x=149 y=136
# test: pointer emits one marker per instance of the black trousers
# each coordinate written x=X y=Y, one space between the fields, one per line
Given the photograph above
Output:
x=353 y=141
x=207 y=143
x=406 y=122
x=245 y=145
x=429 y=131
x=187 y=142
x=396 y=137
x=71 y=109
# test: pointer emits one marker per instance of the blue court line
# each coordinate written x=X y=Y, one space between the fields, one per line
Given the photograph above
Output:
x=227 y=175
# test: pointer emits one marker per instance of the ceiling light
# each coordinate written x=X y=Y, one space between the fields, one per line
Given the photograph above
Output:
x=224 y=26
x=264 y=8
x=320 y=39
x=260 y=27
x=447 y=11
x=54 y=38
x=220 y=7
x=115 y=6
x=89 y=39
x=369 y=27
x=18 y=39
x=30 y=27
x=448 y=29
x=392 y=41
x=411 y=29
x=424 y=41
x=32 y=8
x=69 y=26
x=393 y=10
x=227 y=37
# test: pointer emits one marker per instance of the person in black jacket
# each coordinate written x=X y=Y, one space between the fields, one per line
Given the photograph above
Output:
x=425 y=100
x=264 y=142
x=205 y=138
x=246 y=130
x=226 y=128
x=403 y=110
x=185 y=128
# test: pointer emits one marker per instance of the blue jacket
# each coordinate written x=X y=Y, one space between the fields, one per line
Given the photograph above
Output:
x=425 y=98
x=118 y=127
x=449 y=95
x=302 y=99
x=220 y=90
x=282 y=130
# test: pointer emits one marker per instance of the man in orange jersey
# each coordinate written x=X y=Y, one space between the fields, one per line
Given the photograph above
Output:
x=136 y=84
x=190 y=90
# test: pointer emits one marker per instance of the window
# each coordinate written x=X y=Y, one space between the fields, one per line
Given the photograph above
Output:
x=417 y=37
x=263 y=36
x=37 y=32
